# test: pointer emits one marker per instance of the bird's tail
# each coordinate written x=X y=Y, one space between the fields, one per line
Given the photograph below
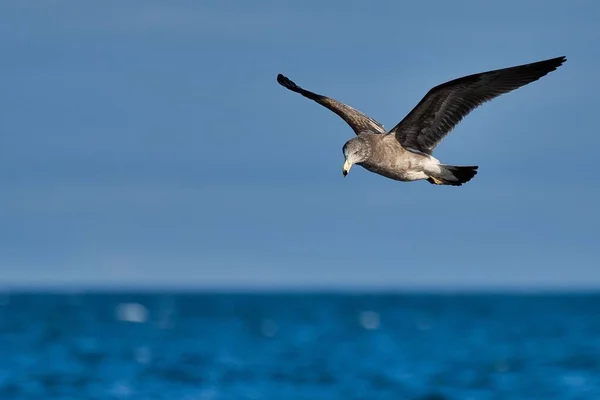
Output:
x=453 y=175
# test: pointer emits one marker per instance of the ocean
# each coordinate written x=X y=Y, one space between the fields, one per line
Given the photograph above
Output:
x=299 y=346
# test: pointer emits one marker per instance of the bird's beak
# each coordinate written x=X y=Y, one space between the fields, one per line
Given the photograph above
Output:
x=346 y=169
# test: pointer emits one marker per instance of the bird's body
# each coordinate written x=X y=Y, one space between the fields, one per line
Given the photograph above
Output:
x=385 y=156
x=393 y=161
x=404 y=153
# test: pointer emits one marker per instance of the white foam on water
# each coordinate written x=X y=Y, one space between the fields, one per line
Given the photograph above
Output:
x=369 y=320
x=132 y=312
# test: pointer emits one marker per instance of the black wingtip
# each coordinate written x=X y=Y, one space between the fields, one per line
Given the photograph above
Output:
x=286 y=83
x=282 y=80
x=560 y=60
x=556 y=62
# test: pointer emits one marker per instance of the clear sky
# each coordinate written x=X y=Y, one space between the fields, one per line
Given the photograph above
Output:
x=148 y=143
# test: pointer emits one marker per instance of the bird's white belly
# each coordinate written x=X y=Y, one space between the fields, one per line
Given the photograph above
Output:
x=400 y=170
x=406 y=166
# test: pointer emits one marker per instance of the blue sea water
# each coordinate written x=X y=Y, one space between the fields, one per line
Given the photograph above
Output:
x=299 y=346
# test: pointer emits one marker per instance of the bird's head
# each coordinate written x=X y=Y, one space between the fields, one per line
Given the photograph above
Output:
x=356 y=151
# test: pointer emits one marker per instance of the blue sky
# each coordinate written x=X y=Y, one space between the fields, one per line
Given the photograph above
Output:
x=148 y=144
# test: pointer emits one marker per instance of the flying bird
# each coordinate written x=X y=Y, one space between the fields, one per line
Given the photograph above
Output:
x=405 y=152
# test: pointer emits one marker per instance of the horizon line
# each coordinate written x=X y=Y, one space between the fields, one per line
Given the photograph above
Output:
x=42 y=288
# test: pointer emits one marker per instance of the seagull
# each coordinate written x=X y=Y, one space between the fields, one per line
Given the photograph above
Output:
x=404 y=153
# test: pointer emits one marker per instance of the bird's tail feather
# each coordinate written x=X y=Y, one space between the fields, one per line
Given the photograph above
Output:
x=453 y=175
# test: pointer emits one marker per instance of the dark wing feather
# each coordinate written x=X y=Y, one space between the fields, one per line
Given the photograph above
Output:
x=358 y=121
x=444 y=106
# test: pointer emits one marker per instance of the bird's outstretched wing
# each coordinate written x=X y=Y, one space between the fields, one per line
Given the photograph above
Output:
x=445 y=105
x=358 y=121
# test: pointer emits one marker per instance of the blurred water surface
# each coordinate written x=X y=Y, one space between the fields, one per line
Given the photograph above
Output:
x=299 y=346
